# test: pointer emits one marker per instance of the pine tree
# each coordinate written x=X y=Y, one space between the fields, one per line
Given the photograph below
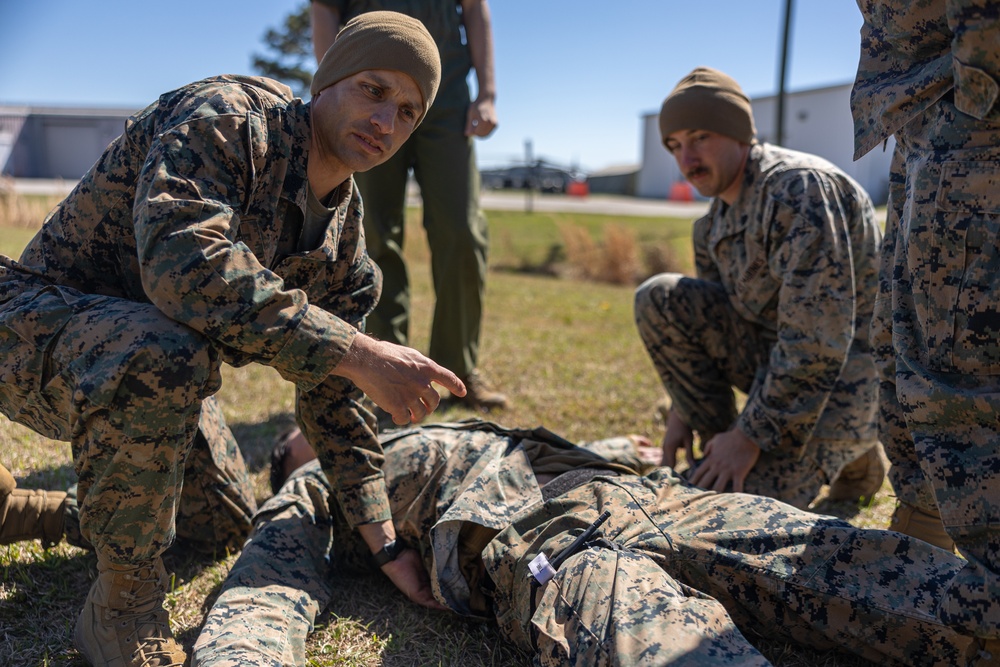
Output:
x=290 y=58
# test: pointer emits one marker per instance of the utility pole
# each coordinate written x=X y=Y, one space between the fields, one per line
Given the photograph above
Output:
x=779 y=138
x=528 y=161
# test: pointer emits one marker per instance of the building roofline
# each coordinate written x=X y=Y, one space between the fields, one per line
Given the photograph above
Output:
x=790 y=93
x=89 y=112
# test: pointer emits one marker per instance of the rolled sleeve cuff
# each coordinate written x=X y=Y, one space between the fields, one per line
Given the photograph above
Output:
x=367 y=502
x=975 y=90
x=756 y=424
x=315 y=348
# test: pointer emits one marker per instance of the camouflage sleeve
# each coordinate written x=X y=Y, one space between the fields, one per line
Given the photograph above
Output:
x=975 y=26
x=331 y=417
x=330 y=414
x=705 y=268
x=811 y=255
x=188 y=202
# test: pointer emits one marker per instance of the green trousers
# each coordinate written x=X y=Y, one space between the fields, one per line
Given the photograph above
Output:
x=443 y=160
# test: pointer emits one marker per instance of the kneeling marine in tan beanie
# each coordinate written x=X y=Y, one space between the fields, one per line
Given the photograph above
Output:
x=383 y=40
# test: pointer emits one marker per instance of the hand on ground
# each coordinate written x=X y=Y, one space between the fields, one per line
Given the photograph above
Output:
x=408 y=574
x=678 y=435
x=728 y=458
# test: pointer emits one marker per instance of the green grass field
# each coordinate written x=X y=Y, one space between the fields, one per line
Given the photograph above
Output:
x=566 y=353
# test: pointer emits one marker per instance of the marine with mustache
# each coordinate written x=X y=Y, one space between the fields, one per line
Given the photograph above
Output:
x=780 y=309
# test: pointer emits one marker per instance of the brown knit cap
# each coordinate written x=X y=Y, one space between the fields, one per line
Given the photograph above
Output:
x=382 y=40
x=707 y=99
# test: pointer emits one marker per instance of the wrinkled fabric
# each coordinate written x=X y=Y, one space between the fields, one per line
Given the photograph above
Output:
x=780 y=308
x=677 y=575
x=175 y=253
x=928 y=72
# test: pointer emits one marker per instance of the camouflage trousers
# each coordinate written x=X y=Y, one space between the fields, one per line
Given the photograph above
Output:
x=281 y=581
x=682 y=576
x=699 y=568
x=937 y=343
x=131 y=390
x=701 y=349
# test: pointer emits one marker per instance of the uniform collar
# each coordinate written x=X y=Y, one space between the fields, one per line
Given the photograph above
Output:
x=298 y=125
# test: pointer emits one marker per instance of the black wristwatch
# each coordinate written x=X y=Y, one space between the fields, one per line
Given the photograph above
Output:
x=388 y=553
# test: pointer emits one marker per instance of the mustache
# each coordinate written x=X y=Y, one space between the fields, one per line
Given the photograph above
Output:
x=696 y=171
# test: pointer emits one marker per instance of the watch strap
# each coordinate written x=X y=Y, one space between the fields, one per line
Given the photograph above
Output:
x=388 y=553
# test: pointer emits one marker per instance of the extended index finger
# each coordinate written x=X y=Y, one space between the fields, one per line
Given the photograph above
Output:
x=449 y=381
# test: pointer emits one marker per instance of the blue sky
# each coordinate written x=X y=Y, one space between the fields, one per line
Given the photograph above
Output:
x=573 y=76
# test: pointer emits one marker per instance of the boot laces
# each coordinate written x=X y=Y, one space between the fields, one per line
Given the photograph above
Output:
x=144 y=612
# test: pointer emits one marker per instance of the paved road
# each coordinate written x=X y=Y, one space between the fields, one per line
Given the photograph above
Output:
x=602 y=204
x=490 y=199
x=496 y=200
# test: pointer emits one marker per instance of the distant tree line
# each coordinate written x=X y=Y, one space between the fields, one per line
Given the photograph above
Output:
x=289 y=57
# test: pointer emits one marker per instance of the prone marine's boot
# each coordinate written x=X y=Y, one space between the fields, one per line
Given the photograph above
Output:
x=123 y=622
x=914 y=522
x=29 y=514
x=860 y=478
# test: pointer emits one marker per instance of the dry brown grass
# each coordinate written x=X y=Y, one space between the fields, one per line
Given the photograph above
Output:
x=618 y=259
x=23 y=211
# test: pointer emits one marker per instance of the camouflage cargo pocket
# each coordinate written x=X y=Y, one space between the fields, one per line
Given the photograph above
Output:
x=964 y=328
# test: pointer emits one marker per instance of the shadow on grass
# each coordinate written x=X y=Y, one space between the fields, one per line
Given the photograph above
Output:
x=40 y=603
x=406 y=633
x=54 y=478
x=257 y=439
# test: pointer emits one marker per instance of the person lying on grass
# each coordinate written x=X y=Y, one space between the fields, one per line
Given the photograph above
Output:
x=581 y=560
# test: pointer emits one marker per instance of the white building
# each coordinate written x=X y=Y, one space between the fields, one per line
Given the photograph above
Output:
x=59 y=143
x=817 y=121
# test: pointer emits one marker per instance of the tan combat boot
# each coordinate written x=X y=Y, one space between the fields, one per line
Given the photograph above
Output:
x=29 y=515
x=861 y=478
x=911 y=521
x=123 y=622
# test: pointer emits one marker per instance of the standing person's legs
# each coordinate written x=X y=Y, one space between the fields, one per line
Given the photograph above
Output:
x=458 y=237
x=947 y=343
x=916 y=513
x=383 y=193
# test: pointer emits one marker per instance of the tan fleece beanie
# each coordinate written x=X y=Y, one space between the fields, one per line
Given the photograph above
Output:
x=707 y=99
x=382 y=40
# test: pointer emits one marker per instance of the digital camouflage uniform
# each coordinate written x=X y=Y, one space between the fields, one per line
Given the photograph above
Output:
x=176 y=252
x=443 y=161
x=929 y=73
x=676 y=576
x=780 y=309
